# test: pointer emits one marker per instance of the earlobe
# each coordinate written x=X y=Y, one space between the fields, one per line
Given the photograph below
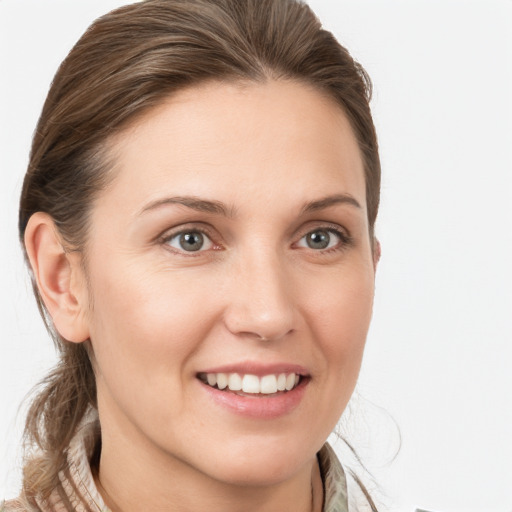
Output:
x=55 y=272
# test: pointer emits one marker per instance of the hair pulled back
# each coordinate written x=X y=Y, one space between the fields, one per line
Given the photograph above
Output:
x=127 y=62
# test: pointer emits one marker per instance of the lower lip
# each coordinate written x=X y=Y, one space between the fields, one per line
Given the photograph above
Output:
x=262 y=406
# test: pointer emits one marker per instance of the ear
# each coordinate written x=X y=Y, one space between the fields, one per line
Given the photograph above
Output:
x=376 y=252
x=59 y=278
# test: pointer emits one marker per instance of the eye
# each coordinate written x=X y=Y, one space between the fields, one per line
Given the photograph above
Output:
x=321 y=239
x=190 y=241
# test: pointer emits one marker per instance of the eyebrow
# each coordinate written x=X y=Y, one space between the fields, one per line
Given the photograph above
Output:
x=328 y=201
x=195 y=203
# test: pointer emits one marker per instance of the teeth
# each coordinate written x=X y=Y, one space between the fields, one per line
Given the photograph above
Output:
x=281 y=382
x=234 y=382
x=267 y=384
x=250 y=384
x=222 y=380
x=290 y=382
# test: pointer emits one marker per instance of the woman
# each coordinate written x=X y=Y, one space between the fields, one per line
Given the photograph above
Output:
x=198 y=215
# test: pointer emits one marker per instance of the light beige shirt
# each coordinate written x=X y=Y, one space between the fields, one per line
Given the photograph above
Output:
x=78 y=491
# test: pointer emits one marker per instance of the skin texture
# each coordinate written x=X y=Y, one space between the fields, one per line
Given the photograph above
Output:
x=157 y=314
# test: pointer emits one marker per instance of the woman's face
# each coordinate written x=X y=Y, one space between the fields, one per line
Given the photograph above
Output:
x=231 y=245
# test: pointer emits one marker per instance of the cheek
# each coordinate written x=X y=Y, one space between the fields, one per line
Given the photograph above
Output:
x=144 y=325
x=144 y=330
x=342 y=305
x=339 y=312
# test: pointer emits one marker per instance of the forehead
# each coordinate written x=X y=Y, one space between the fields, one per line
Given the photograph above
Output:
x=238 y=141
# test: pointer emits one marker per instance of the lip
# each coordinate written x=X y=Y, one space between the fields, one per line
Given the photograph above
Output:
x=261 y=407
x=258 y=369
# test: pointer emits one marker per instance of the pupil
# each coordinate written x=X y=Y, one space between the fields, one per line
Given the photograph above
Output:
x=191 y=241
x=318 y=239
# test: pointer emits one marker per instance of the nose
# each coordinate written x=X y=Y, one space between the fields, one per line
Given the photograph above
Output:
x=260 y=299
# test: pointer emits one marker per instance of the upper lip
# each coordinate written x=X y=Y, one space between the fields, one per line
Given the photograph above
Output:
x=258 y=369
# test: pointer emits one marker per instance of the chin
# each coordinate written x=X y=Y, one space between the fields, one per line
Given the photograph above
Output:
x=256 y=474
x=266 y=463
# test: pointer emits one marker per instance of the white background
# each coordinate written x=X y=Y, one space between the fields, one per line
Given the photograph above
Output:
x=439 y=353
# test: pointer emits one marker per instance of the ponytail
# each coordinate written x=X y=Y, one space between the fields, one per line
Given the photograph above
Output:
x=60 y=403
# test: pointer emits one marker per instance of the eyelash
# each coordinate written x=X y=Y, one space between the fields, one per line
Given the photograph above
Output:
x=344 y=240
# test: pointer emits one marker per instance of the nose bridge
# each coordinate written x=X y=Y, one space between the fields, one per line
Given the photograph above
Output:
x=261 y=298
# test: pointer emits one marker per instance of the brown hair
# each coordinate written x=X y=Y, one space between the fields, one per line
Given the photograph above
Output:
x=127 y=62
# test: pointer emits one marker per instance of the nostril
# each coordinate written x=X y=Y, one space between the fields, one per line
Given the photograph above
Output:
x=274 y=336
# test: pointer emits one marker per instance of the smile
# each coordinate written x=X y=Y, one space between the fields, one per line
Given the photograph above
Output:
x=251 y=384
